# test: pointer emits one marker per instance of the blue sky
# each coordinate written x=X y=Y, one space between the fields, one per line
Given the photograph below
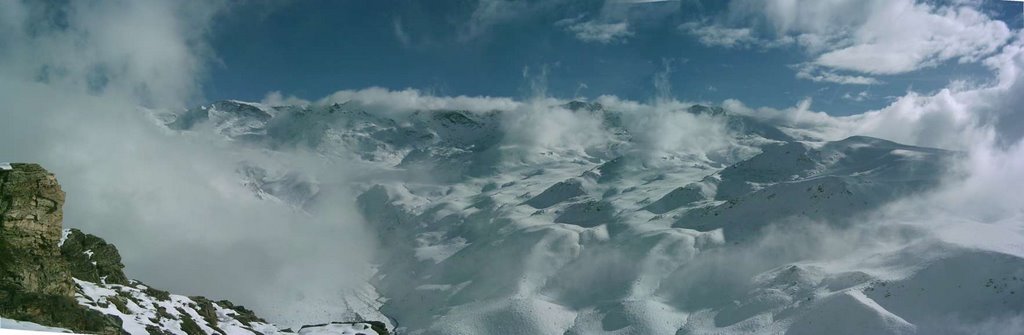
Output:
x=713 y=50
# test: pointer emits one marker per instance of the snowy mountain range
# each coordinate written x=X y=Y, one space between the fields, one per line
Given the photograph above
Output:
x=571 y=217
x=502 y=222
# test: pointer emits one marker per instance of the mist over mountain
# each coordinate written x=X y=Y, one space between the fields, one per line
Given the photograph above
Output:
x=513 y=167
x=743 y=226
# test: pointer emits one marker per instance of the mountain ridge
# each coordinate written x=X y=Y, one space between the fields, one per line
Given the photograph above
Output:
x=505 y=235
x=595 y=218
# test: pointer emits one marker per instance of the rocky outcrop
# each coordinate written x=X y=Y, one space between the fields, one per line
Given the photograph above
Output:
x=73 y=280
x=91 y=258
x=35 y=281
x=30 y=215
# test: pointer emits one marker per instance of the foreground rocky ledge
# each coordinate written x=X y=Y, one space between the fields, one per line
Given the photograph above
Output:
x=74 y=281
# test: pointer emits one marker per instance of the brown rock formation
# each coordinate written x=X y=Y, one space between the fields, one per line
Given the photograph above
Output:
x=30 y=224
x=35 y=280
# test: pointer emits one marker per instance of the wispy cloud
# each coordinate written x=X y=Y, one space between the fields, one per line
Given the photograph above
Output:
x=817 y=74
x=488 y=13
x=719 y=36
x=400 y=33
x=860 y=96
x=596 y=31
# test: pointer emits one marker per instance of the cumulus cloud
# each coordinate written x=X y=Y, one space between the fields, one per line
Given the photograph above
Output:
x=955 y=117
x=876 y=37
x=900 y=37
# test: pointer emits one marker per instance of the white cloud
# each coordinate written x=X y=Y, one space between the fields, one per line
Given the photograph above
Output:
x=816 y=74
x=158 y=66
x=597 y=31
x=880 y=37
x=719 y=36
x=957 y=117
x=72 y=78
x=388 y=101
x=861 y=96
x=901 y=37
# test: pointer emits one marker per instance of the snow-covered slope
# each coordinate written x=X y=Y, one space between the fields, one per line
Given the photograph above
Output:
x=29 y=326
x=138 y=309
x=502 y=222
x=144 y=310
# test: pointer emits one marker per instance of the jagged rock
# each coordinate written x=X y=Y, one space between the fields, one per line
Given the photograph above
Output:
x=92 y=259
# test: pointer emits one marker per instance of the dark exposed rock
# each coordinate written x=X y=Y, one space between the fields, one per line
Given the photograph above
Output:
x=678 y=197
x=243 y=315
x=589 y=213
x=557 y=193
x=92 y=259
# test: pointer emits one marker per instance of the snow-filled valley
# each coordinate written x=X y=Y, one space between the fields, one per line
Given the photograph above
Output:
x=569 y=217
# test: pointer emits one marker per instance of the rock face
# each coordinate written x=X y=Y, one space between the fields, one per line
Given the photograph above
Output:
x=30 y=228
x=35 y=281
